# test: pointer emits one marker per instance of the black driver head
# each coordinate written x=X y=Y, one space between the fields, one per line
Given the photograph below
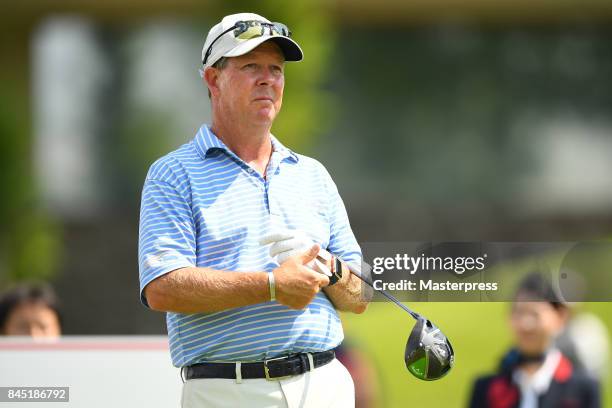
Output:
x=429 y=355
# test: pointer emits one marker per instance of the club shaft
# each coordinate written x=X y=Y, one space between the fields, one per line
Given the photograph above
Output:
x=386 y=294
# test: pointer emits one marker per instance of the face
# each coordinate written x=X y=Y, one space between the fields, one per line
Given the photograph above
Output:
x=33 y=319
x=535 y=325
x=250 y=88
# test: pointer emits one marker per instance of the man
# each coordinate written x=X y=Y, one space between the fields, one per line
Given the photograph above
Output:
x=251 y=324
x=30 y=311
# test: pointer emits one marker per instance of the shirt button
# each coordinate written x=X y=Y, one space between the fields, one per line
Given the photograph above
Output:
x=250 y=171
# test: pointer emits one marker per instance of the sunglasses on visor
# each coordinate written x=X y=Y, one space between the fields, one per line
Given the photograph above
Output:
x=245 y=30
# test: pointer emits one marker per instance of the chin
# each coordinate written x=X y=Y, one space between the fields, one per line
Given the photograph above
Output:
x=531 y=350
x=264 y=118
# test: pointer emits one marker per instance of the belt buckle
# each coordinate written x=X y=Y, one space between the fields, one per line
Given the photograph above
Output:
x=267 y=370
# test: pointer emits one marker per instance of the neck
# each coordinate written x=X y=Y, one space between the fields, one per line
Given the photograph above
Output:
x=533 y=362
x=251 y=143
x=530 y=368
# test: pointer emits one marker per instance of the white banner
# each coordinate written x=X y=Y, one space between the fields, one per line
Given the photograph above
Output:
x=99 y=371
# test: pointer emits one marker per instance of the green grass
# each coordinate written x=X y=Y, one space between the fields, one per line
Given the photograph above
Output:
x=479 y=335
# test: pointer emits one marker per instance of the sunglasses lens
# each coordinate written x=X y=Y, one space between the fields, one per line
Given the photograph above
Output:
x=249 y=32
x=240 y=27
x=282 y=29
x=245 y=30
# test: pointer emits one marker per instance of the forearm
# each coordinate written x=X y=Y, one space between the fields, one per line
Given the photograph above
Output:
x=206 y=290
x=347 y=294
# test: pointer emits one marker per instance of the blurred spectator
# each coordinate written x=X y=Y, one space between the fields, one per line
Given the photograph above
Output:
x=363 y=371
x=30 y=310
x=535 y=373
x=586 y=343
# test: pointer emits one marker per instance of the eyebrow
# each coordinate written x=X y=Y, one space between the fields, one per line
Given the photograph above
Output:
x=248 y=61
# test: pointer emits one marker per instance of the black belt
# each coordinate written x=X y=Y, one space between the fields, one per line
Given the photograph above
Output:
x=272 y=369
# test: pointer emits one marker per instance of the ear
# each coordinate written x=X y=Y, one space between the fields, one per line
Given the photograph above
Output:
x=211 y=79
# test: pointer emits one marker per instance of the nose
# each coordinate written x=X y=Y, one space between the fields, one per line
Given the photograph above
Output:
x=36 y=332
x=266 y=77
x=528 y=322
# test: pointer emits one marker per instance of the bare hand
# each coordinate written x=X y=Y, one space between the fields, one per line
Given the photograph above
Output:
x=296 y=284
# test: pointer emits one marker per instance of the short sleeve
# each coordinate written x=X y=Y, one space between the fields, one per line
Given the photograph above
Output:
x=166 y=239
x=342 y=241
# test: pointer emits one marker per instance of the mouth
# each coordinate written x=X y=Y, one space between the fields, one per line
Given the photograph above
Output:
x=264 y=98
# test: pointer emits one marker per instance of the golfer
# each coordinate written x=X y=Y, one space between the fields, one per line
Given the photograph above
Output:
x=241 y=239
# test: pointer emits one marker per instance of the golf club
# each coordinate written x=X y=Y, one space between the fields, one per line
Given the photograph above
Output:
x=429 y=354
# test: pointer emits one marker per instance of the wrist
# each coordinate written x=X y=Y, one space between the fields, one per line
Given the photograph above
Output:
x=271 y=286
x=336 y=270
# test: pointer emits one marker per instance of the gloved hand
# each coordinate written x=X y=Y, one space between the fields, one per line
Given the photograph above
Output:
x=288 y=243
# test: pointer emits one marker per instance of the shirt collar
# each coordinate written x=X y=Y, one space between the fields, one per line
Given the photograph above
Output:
x=284 y=152
x=206 y=141
x=539 y=382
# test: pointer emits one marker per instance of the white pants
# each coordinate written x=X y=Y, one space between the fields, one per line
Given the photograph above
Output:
x=330 y=386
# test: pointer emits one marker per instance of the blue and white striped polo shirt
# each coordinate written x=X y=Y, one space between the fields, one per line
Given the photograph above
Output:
x=203 y=206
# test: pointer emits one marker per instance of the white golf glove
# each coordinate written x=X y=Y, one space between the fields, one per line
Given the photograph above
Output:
x=288 y=243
